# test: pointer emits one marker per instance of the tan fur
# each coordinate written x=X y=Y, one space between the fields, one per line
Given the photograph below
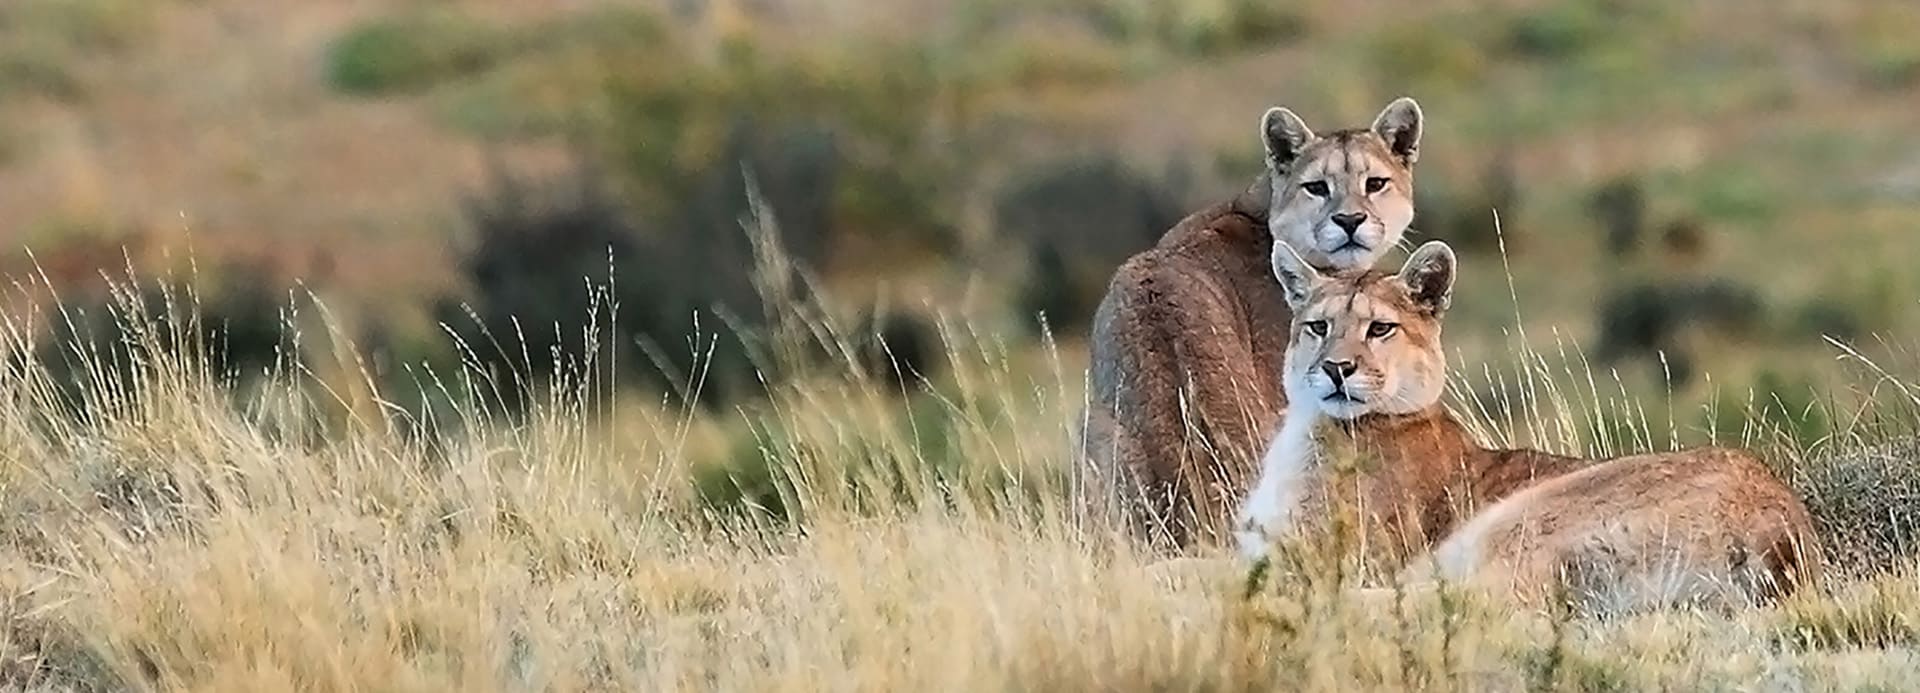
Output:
x=1709 y=523
x=1700 y=526
x=1412 y=469
x=1181 y=393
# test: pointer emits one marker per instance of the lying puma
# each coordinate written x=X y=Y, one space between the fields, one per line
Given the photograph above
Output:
x=1179 y=400
x=1366 y=369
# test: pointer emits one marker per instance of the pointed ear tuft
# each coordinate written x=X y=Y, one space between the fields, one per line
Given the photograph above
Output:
x=1400 y=124
x=1429 y=274
x=1285 y=136
x=1297 y=278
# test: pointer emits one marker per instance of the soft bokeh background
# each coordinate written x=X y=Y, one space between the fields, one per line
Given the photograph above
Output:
x=282 y=268
x=1693 y=196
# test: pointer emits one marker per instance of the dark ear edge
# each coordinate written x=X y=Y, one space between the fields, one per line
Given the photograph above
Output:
x=1400 y=124
x=1297 y=278
x=1284 y=135
x=1429 y=275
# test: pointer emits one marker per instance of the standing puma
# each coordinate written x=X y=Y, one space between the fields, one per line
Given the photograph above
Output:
x=1180 y=397
x=1366 y=368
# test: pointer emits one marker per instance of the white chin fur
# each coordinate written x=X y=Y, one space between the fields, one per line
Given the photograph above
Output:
x=1316 y=397
x=1342 y=410
x=1350 y=257
x=1331 y=241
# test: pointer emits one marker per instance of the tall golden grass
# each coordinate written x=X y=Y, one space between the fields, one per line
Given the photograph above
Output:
x=171 y=527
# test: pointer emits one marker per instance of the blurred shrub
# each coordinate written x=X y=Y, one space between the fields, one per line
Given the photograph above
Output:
x=86 y=25
x=897 y=349
x=1892 y=65
x=541 y=267
x=791 y=173
x=1645 y=320
x=1465 y=218
x=1735 y=193
x=243 y=317
x=1079 y=219
x=1621 y=208
x=414 y=51
x=1850 y=308
x=41 y=41
x=1789 y=405
x=873 y=113
x=1685 y=241
x=1824 y=317
x=31 y=67
x=676 y=295
x=1561 y=29
x=106 y=343
x=906 y=120
x=1034 y=60
x=749 y=479
x=1201 y=28
x=1053 y=296
x=551 y=75
x=1884 y=48
x=1422 y=58
x=1090 y=206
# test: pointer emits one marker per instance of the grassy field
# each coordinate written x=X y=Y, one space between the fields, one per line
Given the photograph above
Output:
x=168 y=527
x=359 y=500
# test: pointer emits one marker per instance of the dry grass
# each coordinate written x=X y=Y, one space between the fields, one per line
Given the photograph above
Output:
x=179 y=529
x=171 y=529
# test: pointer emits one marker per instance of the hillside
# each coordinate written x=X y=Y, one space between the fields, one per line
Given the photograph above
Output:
x=691 y=345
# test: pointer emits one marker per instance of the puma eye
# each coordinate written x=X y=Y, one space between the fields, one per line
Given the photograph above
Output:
x=1316 y=188
x=1317 y=327
x=1376 y=184
x=1377 y=330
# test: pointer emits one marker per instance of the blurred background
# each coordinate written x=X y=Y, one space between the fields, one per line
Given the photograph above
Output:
x=1723 y=182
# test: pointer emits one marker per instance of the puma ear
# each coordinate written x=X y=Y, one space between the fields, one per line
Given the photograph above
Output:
x=1284 y=135
x=1297 y=278
x=1400 y=125
x=1428 y=275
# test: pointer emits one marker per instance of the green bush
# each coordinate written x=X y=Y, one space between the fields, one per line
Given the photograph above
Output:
x=1790 y=404
x=24 y=70
x=1464 y=216
x=1201 y=29
x=675 y=285
x=109 y=343
x=1736 y=195
x=1561 y=30
x=82 y=25
x=542 y=269
x=749 y=479
x=1620 y=206
x=414 y=51
x=42 y=40
x=1850 y=308
x=897 y=350
x=1892 y=66
x=673 y=121
x=1079 y=218
x=1649 y=320
x=1884 y=48
x=1425 y=59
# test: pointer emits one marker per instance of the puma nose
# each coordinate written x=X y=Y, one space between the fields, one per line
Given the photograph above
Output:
x=1350 y=221
x=1339 y=371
